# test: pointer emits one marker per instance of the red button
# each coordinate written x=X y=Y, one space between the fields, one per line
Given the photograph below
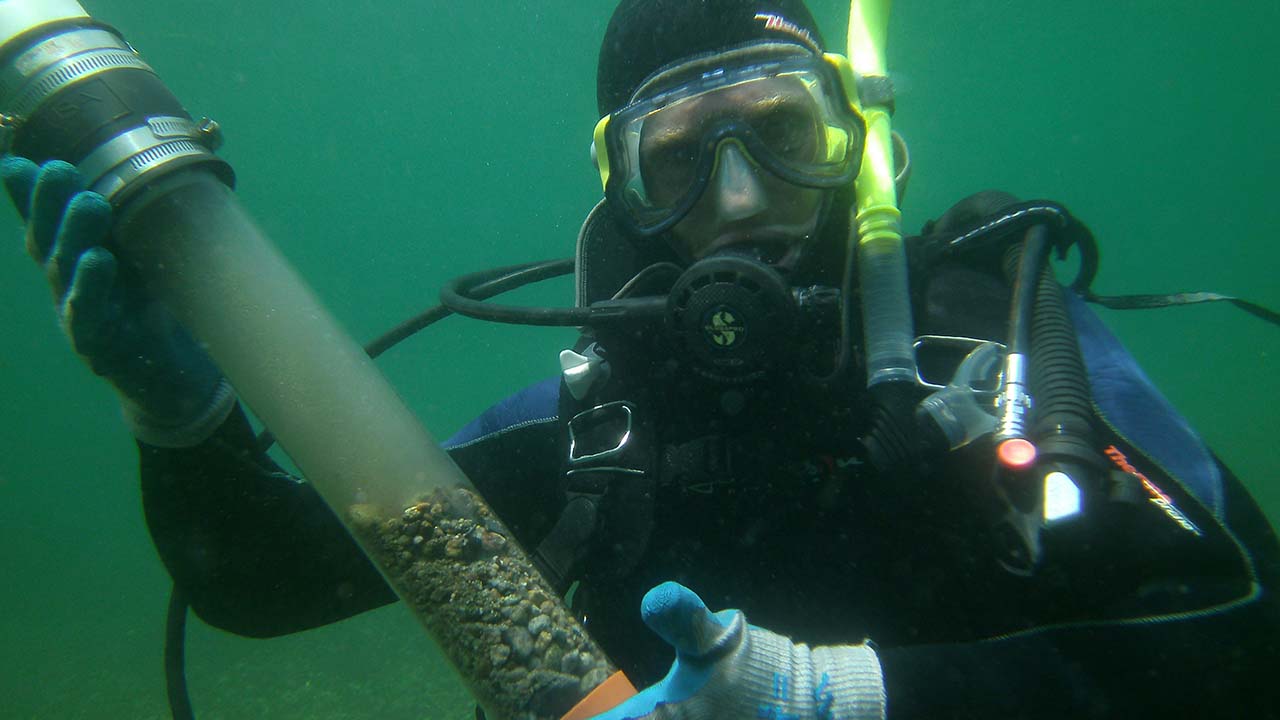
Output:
x=1016 y=454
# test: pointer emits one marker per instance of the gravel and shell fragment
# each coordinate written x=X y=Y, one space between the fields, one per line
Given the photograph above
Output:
x=520 y=650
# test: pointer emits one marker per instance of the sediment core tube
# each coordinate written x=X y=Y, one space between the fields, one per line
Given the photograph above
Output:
x=289 y=360
x=73 y=89
x=447 y=555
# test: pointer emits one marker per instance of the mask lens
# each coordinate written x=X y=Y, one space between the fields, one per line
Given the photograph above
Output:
x=668 y=165
x=780 y=112
x=788 y=118
x=786 y=121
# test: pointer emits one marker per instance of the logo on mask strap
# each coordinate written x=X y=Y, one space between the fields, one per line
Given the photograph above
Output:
x=785 y=26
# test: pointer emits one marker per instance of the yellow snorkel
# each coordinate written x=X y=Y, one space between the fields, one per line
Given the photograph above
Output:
x=877 y=233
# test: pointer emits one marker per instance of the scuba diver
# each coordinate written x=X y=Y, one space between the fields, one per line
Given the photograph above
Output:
x=714 y=442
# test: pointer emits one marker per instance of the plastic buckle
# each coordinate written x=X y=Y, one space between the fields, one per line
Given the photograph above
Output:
x=962 y=346
x=594 y=425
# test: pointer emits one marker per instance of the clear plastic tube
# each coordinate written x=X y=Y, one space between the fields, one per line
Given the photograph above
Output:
x=333 y=411
x=442 y=549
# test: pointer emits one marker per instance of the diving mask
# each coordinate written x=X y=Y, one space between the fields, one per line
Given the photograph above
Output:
x=791 y=116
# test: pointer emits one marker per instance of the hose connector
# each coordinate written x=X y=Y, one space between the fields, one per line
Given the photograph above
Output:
x=1013 y=405
x=72 y=88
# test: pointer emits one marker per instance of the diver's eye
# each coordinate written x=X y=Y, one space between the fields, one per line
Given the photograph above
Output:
x=789 y=133
x=668 y=168
x=677 y=154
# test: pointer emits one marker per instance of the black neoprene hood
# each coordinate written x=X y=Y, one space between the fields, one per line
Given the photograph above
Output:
x=646 y=35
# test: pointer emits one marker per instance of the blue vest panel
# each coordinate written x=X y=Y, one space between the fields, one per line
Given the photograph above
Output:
x=1129 y=400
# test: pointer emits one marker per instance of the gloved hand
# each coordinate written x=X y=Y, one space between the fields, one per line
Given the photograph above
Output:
x=173 y=395
x=725 y=668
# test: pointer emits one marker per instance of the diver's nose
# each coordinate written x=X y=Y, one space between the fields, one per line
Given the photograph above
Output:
x=736 y=186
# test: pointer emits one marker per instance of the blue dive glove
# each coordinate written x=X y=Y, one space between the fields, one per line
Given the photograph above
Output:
x=726 y=668
x=173 y=395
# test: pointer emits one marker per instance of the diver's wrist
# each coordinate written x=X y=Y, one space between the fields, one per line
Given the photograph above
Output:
x=185 y=430
x=853 y=678
x=794 y=680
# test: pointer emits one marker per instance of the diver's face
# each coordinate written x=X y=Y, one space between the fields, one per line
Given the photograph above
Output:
x=744 y=206
x=747 y=207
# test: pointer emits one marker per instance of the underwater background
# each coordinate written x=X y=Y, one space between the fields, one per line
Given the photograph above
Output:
x=389 y=146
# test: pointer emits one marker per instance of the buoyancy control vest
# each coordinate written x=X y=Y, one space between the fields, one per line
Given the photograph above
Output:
x=620 y=446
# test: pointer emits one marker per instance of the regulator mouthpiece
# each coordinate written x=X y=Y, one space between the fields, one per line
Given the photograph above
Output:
x=72 y=88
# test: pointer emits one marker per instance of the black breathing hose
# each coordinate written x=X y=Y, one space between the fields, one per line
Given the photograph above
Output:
x=1062 y=416
x=1060 y=421
x=1025 y=266
x=1059 y=382
x=466 y=295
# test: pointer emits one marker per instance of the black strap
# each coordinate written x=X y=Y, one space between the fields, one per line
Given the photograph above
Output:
x=988 y=236
x=998 y=227
x=175 y=673
x=877 y=91
x=608 y=486
x=1148 y=302
x=569 y=540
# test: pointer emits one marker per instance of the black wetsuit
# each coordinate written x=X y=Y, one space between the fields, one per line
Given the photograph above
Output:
x=1131 y=614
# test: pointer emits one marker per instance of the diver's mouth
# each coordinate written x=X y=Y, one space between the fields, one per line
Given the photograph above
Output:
x=778 y=250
